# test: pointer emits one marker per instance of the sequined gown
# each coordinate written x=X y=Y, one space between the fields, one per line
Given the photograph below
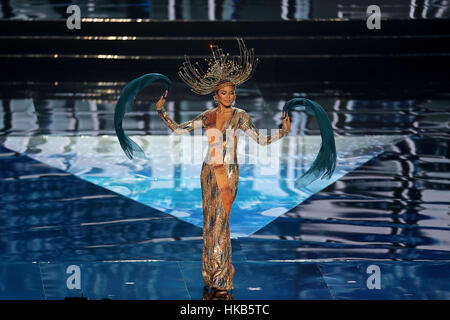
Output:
x=217 y=269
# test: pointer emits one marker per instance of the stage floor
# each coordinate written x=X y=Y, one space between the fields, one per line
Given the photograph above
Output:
x=218 y=10
x=80 y=219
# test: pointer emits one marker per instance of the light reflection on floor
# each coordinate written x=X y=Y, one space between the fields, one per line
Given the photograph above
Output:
x=169 y=181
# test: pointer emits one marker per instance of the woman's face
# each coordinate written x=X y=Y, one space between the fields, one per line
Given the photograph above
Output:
x=226 y=96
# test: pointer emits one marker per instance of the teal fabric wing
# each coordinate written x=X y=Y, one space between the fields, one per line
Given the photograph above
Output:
x=325 y=162
x=125 y=104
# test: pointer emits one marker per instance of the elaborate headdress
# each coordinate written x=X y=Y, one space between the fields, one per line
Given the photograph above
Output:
x=221 y=69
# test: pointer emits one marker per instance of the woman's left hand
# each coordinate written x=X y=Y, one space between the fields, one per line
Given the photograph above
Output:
x=286 y=122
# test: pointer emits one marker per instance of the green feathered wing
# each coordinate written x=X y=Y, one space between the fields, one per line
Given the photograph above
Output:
x=325 y=162
x=125 y=104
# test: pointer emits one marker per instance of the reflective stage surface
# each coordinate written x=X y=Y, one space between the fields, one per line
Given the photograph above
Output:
x=79 y=219
x=224 y=10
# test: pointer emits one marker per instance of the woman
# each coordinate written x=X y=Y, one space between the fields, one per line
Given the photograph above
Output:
x=217 y=269
x=220 y=170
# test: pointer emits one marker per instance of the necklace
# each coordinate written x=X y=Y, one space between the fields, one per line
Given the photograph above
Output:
x=224 y=112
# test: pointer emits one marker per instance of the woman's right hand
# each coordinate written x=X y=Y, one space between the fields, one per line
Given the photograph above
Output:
x=161 y=102
x=286 y=122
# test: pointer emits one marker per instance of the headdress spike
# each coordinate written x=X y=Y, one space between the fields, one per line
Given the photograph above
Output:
x=221 y=68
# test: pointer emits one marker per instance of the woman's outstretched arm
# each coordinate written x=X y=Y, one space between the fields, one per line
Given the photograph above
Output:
x=184 y=127
x=248 y=127
x=187 y=126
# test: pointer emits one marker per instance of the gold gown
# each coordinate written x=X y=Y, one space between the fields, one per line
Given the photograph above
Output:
x=217 y=269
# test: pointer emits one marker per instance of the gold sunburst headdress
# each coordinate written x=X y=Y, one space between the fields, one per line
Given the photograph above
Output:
x=221 y=69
